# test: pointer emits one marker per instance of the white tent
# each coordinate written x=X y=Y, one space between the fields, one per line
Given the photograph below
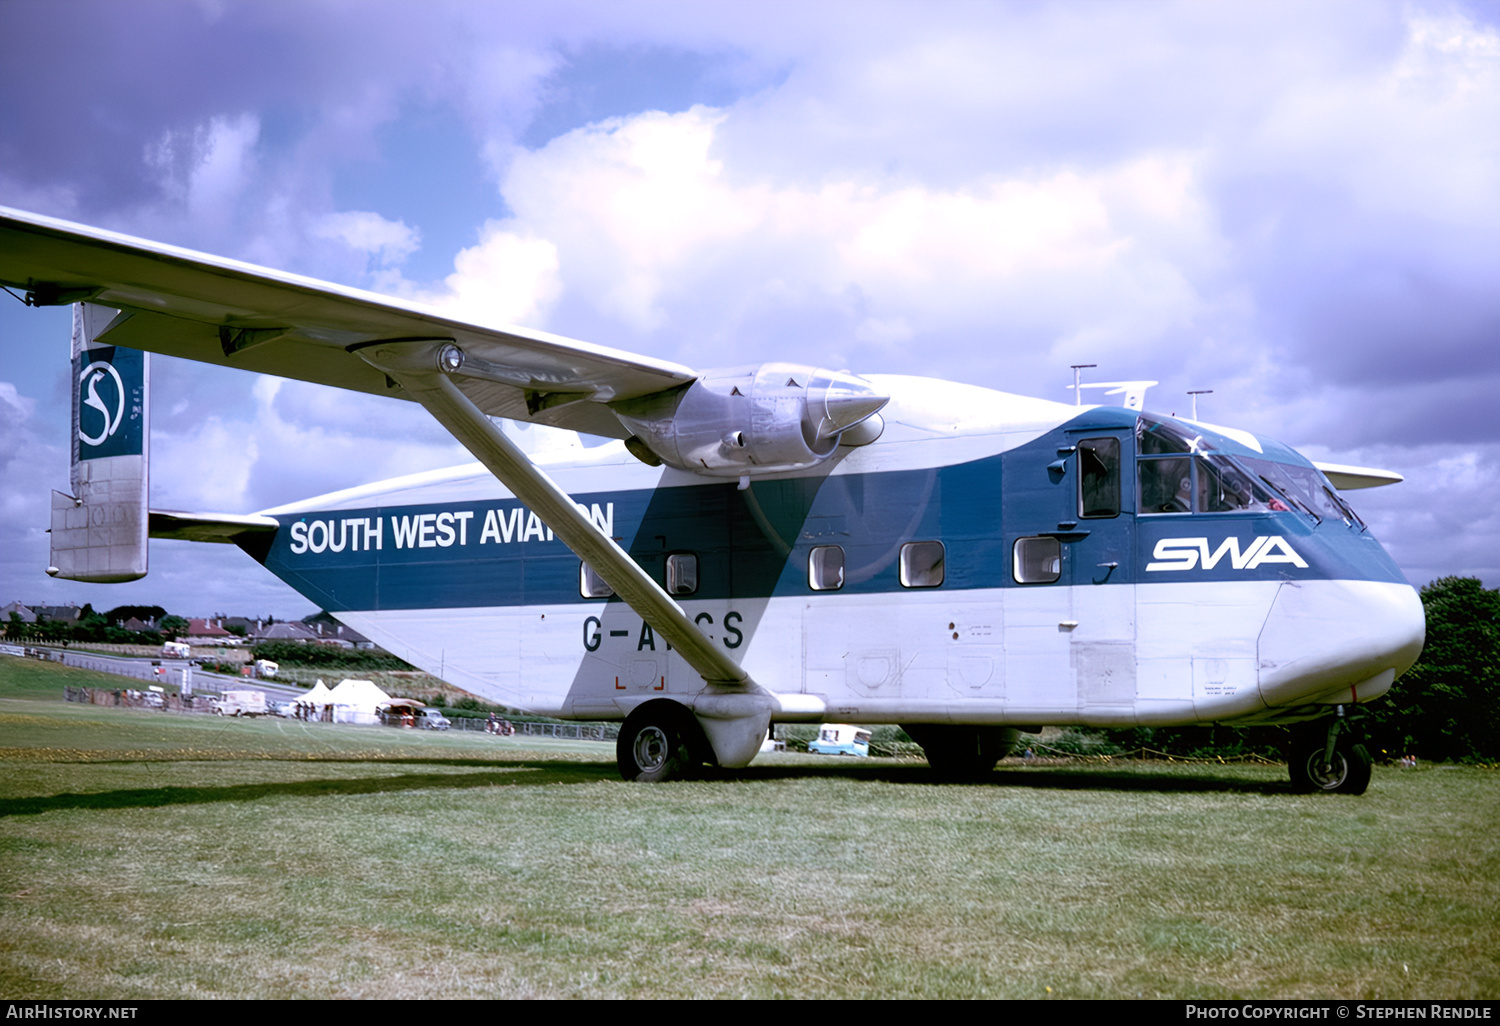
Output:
x=316 y=695
x=312 y=703
x=355 y=701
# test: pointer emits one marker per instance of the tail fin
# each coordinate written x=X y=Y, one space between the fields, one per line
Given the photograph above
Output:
x=100 y=536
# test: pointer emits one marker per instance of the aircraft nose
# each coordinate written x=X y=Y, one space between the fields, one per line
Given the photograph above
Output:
x=1338 y=641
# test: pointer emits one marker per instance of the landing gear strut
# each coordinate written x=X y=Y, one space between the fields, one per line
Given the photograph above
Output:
x=660 y=741
x=962 y=753
x=1325 y=757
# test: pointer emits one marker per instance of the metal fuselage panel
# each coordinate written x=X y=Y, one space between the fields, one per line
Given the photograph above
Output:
x=1277 y=611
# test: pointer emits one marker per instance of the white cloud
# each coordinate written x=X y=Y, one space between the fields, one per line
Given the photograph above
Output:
x=651 y=229
x=385 y=241
x=508 y=278
x=208 y=169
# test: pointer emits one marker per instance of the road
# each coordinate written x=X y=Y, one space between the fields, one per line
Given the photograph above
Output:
x=172 y=672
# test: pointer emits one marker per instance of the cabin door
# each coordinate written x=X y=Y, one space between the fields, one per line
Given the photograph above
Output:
x=1100 y=551
x=1070 y=616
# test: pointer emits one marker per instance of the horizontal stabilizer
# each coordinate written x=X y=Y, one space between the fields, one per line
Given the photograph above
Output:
x=1347 y=479
x=225 y=528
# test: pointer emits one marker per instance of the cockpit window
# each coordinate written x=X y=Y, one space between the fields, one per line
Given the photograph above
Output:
x=1311 y=491
x=1155 y=437
x=1207 y=483
x=1223 y=487
x=1098 y=477
x=1166 y=485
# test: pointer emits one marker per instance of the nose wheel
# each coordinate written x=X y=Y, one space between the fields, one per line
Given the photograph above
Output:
x=1326 y=758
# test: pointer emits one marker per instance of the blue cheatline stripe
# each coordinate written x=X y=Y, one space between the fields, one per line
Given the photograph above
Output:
x=754 y=543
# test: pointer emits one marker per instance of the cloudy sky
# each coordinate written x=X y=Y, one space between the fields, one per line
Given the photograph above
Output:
x=1297 y=206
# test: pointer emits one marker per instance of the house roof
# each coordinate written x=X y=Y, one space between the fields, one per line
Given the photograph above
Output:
x=285 y=632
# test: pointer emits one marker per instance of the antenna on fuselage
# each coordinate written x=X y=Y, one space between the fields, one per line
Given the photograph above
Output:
x=1077 y=388
x=1195 y=395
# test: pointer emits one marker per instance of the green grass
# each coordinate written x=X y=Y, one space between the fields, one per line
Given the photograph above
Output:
x=148 y=855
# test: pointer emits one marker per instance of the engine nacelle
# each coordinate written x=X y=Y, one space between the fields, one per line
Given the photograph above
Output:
x=744 y=421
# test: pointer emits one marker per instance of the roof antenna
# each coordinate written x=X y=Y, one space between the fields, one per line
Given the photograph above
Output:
x=1195 y=395
x=1077 y=391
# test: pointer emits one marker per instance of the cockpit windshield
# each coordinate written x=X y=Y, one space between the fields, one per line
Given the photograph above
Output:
x=1158 y=438
x=1306 y=485
x=1179 y=472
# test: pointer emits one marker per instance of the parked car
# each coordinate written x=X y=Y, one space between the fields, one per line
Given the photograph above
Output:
x=841 y=739
x=429 y=718
x=404 y=712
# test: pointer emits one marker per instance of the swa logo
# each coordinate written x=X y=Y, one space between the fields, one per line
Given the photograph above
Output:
x=1190 y=553
x=110 y=402
x=107 y=422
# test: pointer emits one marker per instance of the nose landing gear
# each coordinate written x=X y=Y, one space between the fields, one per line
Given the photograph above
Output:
x=1327 y=758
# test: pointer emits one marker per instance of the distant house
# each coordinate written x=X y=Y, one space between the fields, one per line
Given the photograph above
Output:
x=134 y=624
x=285 y=632
x=245 y=623
x=25 y=614
x=207 y=632
x=329 y=629
x=56 y=614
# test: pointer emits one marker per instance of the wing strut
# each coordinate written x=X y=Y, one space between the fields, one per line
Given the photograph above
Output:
x=415 y=366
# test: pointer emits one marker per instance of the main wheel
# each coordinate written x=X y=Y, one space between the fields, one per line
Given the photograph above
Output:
x=659 y=741
x=962 y=753
x=1348 y=772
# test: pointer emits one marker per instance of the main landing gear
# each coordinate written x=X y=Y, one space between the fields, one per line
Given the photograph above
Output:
x=1326 y=757
x=661 y=741
x=962 y=753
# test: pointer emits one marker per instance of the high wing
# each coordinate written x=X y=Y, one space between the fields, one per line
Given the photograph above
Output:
x=186 y=304
x=200 y=307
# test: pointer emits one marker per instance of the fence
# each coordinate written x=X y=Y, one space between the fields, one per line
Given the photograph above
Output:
x=566 y=731
x=138 y=699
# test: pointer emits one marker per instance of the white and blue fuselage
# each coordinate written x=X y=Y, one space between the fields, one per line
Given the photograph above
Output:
x=990 y=559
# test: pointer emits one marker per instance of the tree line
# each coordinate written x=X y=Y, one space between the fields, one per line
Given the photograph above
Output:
x=99 y=627
x=1445 y=708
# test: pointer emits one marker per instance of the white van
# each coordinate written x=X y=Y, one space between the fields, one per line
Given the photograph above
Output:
x=242 y=703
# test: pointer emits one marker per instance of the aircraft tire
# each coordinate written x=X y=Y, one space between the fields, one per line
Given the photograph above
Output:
x=659 y=741
x=1349 y=772
x=962 y=753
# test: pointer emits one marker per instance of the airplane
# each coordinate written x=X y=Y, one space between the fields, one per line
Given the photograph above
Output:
x=759 y=544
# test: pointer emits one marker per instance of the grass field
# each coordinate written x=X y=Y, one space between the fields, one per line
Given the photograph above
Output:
x=148 y=855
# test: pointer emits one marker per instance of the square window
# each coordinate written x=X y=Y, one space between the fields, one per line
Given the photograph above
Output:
x=590 y=584
x=1037 y=560
x=682 y=573
x=922 y=564
x=825 y=568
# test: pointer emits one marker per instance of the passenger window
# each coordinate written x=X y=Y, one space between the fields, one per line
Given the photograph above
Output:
x=682 y=573
x=590 y=584
x=1037 y=560
x=1166 y=485
x=1099 y=477
x=825 y=568
x=922 y=564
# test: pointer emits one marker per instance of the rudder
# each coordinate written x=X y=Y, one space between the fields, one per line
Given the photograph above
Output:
x=99 y=532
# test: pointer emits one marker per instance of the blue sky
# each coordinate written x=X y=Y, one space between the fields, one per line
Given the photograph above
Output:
x=1297 y=206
